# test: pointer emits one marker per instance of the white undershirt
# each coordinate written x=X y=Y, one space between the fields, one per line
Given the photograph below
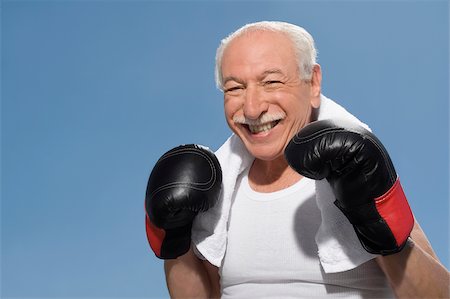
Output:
x=271 y=250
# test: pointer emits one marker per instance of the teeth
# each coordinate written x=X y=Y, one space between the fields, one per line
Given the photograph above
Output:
x=262 y=128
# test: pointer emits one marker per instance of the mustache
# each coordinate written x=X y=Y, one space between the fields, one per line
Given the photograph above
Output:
x=264 y=118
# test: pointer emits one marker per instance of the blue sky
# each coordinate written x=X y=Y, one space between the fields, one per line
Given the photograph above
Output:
x=93 y=92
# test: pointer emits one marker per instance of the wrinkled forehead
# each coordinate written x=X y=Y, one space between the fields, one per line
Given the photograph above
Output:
x=259 y=49
x=258 y=37
x=257 y=44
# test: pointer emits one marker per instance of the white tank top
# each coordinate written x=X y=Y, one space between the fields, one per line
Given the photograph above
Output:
x=271 y=250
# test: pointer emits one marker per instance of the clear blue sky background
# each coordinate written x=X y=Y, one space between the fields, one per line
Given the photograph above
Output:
x=93 y=92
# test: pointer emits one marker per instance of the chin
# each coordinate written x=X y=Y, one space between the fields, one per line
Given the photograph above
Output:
x=265 y=153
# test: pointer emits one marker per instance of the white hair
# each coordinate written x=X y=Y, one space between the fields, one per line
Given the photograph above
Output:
x=302 y=41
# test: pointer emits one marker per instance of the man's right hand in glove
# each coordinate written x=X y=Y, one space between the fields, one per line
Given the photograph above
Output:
x=185 y=180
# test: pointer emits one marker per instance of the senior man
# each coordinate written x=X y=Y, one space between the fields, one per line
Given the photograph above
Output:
x=302 y=180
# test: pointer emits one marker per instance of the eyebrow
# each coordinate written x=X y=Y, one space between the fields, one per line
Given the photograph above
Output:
x=272 y=71
x=263 y=75
x=232 y=78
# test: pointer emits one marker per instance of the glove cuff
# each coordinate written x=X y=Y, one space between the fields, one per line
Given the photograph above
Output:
x=168 y=243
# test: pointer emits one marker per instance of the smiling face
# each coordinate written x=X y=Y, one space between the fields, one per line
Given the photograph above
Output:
x=266 y=102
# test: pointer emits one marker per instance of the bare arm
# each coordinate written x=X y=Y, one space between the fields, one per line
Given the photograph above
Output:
x=189 y=277
x=416 y=272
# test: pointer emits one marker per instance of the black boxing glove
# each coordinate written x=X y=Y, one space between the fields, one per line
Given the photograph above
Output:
x=363 y=179
x=185 y=180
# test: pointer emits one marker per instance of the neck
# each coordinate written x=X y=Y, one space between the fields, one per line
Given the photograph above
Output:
x=271 y=176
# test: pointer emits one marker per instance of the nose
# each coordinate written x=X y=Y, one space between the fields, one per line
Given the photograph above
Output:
x=254 y=104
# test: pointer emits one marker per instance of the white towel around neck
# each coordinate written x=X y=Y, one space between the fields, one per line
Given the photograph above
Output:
x=338 y=246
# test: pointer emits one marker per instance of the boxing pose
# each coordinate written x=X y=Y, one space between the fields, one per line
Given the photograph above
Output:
x=273 y=104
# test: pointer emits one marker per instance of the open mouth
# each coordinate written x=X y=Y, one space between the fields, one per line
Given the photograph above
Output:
x=255 y=129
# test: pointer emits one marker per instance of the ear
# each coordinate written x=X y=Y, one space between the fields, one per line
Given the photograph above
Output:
x=316 y=84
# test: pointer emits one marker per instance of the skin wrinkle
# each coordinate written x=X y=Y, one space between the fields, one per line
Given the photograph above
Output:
x=265 y=86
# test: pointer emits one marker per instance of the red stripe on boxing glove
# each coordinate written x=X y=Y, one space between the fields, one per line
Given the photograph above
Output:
x=392 y=204
x=155 y=236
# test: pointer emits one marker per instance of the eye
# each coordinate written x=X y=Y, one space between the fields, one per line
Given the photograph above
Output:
x=233 y=88
x=272 y=82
